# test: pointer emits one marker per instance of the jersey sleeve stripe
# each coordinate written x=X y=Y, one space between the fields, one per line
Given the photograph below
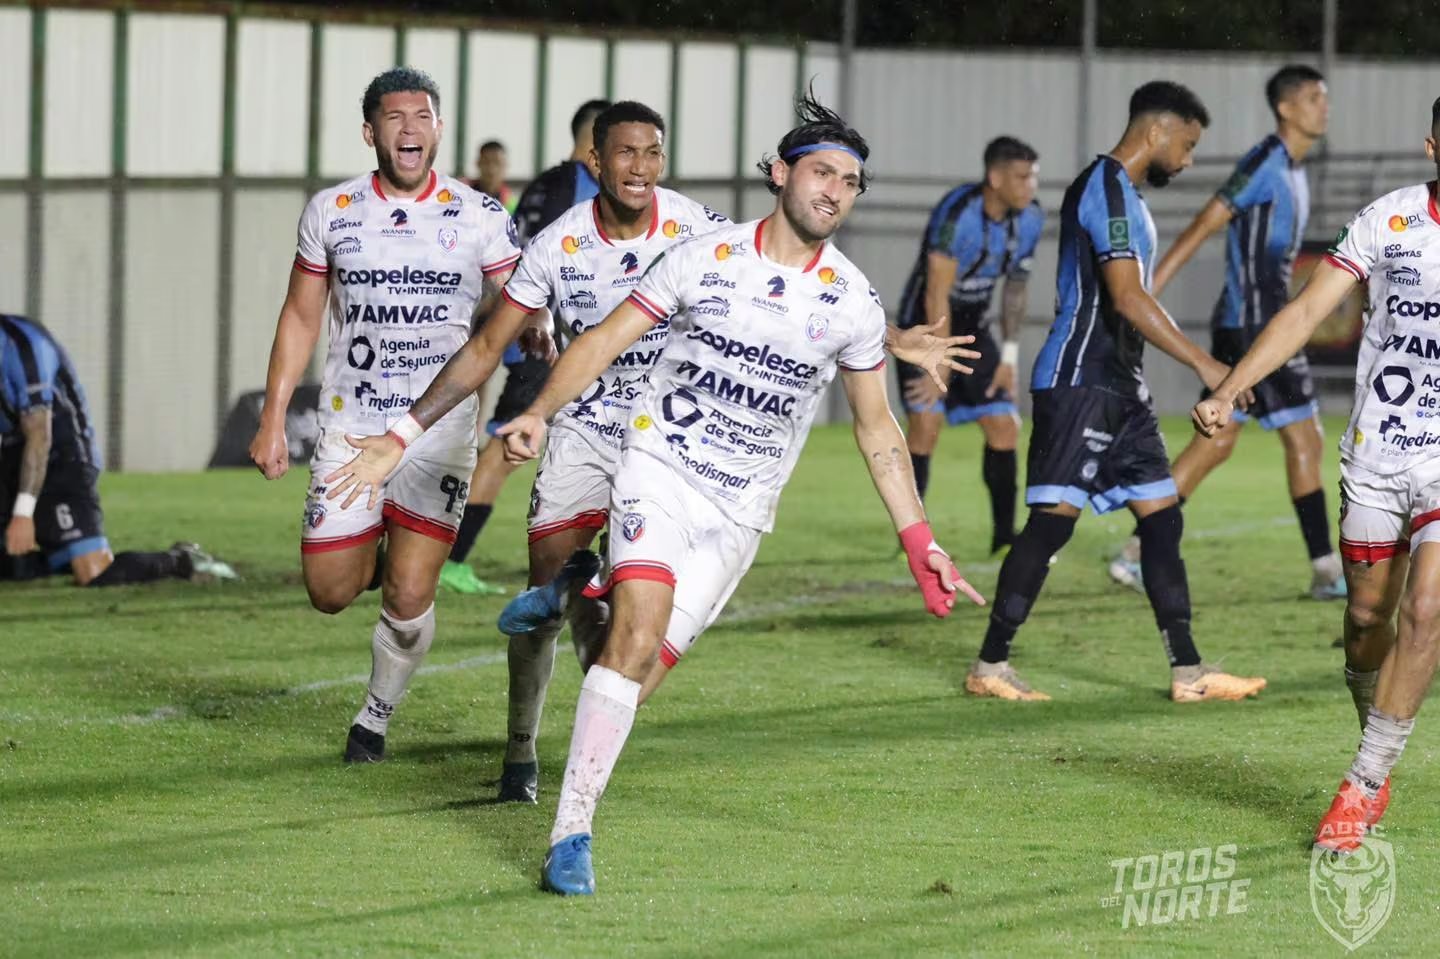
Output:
x=501 y=266
x=864 y=369
x=509 y=298
x=314 y=269
x=651 y=310
x=1335 y=259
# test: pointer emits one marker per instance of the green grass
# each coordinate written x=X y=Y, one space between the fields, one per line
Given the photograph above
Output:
x=811 y=781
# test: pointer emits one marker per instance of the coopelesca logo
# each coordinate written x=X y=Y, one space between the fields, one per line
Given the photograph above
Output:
x=1353 y=895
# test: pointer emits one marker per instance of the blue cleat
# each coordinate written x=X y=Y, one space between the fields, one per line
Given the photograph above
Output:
x=567 y=870
x=1333 y=589
x=542 y=604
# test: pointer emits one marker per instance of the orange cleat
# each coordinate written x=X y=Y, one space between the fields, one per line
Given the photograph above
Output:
x=1213 y=684
x=1351 y=815
x=1000 y=681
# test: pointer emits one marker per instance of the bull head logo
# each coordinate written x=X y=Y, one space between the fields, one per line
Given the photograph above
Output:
x=1353 y=895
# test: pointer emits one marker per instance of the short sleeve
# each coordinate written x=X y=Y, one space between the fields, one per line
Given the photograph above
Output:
x=310 y=254
x=1105 y=212
x=1032 y=225
x=661 y=291
x=944 y=235
x=1248 y=185
x=866 y=350
x=1356 y=250
x=500 y=240
x=29 y=370
x=531 y=285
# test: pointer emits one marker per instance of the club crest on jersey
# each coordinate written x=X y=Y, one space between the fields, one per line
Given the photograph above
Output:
x=777 y=287
x=630 y=262
x=817 y=326
x=315 y=515
x=632 y=526
x=449 y=239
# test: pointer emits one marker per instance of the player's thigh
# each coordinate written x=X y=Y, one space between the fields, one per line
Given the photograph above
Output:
x=424 y=502
x=1001 y=430
x=1375 y=516
x=334 y=577
x=719 y=559
x=1136 y=472
x=639 y=614
x=69 y=524
x=412 y=570
x=550 y=552
x=572 y=486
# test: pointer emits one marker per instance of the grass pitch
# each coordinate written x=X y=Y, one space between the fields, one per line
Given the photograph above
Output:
x=811 y=781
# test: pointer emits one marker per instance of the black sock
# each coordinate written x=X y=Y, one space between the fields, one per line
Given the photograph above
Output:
x=920 y=463
x=470 y=526
x=1021 y=576
x=143 y=568
x=1314 y=523
x=1136 y=530
x=1165 y=583
x=25 y=567
x=999 y=473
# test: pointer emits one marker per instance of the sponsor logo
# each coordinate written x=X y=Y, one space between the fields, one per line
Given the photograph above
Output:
x=726 y=250
x=444 y=197
x=1393 y=422
x=1403 y=276
x=1340 y=237
x=442 y=281
x=711 y=306
x=817 y=326
x=448 y=239
x=340 y=223
x=714 y=217
x=348 y=245
x=1119 y=233
x=396 y=313
x=1176 y=885
x=579 y=300
x=761 y=357
x=453 y=211
x=568 y=274
x=1396 y=251
x=629 y=263
x=673 y=229
x=1352 y=896
x=336 y=403
x=399 y=224
x=715 y=279
x=827 y=275
x=512 y=233
x=831 y=298
x=875 y=296
x=777 y=287
x=1394 y=386
x=490 y=203
x=1412 y=308
x=642 y=422
x=361 y=354
x=1399 y=224
x=632 y=526
x=345 y=199
x=574 y=244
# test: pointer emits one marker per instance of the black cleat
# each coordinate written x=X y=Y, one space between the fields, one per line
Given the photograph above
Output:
x=365 y=746
x=519 y=782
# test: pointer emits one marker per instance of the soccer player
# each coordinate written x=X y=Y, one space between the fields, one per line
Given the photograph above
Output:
x=586 y=263
x=1265 y=204
x=49 y=465
x=492 y=162
x=547 y=197
x=1096 y=439
x=398 y=260
x=754 y=340
x=978 y=233
x=1389 y=474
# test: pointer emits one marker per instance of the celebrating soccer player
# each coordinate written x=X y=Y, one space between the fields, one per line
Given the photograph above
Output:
x=1265 y=203
x=978 y=233
x=1096 y=439
x=1389 y=474
x=397 y=261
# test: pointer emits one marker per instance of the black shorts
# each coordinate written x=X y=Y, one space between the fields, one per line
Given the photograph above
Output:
x=68 y=520
x=965 y=402
x=1089 y=445
x=522 y=385
x=1284 y=397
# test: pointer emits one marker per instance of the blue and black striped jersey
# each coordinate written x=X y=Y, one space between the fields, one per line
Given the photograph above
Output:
x=35 y=372
x=1103 y=218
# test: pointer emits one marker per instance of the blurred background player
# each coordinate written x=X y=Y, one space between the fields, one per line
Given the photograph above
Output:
x=398 y=260
x=978 y=233
x=1265 y=203
x=1095 y=437
x=492 y=165
x=547 y=197
x=49 y=468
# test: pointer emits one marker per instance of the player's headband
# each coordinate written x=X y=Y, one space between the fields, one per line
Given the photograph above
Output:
x=790 y=156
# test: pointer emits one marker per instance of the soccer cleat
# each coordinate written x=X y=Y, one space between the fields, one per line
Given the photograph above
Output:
x=1000 y=681
x=364 y=745
x=1210 y=683
x=519 y=782
x=541 y=604
x=460 y=578
x=198 y=566
x=1351 y=815
x=567 y=870
x=1323 y=588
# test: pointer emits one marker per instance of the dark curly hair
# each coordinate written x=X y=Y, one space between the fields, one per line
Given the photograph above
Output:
x=398 y=80
x=818 y=124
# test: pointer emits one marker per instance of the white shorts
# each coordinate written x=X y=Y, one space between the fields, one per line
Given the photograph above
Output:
x=1385 y=514
x=426 y=494
x=663 y=529
x=572 y=486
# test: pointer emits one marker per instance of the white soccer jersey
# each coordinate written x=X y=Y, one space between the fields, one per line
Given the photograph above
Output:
x=752 y=346
x=585 y=274
x=1394 y=244
x=405 y=277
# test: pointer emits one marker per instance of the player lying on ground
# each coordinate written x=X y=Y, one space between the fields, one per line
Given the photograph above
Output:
x=1095 y=438
x=1389 y=475
x=49 y=468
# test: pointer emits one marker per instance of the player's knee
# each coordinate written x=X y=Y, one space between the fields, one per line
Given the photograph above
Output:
x=1422 y=609
x=1366 y=610
x=330 y=598
x=407 y=600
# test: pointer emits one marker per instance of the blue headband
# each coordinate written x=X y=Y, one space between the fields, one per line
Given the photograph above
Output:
x=799 y=152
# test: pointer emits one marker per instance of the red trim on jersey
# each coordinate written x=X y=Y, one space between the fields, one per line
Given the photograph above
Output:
x=1371 y=552
x=591 y=591
x=643 y=569
x=864 y=369
x=400 y=516
x=1335 y=259
x=814 y=261
x=1423 y=520
x=505 y=292
x=590 y=519
x=502 y=266
x=314 y=269
x=668 y=655
x=429 y=187
x=600 y=229
x=342 y=542
x=653 y=311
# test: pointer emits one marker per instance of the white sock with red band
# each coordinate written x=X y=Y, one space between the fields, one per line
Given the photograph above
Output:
x=604 y=714
x=396 y=651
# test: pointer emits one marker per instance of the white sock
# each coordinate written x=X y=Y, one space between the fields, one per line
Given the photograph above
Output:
x=604 y=714
x=1380 y=749
x=1362 y=690
x=532 y=659
x=1327 y=567
x=396 y=651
